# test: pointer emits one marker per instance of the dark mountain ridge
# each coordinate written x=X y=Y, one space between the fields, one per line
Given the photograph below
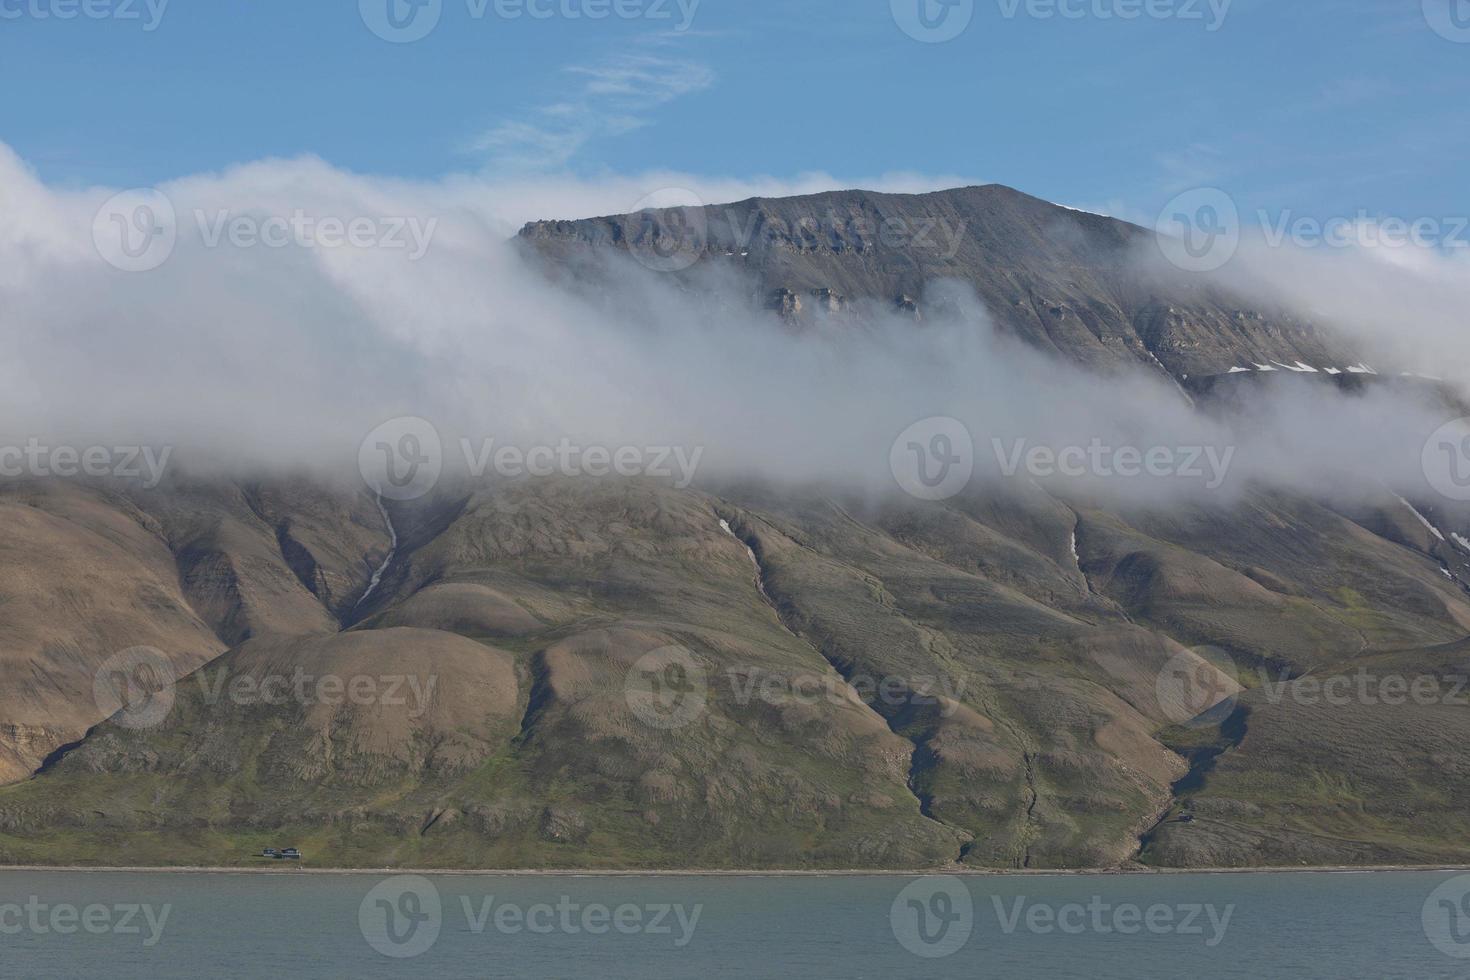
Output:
x=1087 y=287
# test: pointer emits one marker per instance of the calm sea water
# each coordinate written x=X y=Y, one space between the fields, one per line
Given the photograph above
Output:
x=64 y=924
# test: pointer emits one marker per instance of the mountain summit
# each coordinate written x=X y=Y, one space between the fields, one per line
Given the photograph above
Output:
x=1087 y=287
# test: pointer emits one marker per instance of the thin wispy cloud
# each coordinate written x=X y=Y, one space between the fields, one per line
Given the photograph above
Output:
x=614 y=97
x=1353 y=91
x=644 y=79
x=1195 y=165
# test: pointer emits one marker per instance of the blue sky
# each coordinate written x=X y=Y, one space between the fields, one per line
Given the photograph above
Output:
x=1324 y=106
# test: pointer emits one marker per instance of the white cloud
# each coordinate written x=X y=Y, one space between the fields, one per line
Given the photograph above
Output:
x=282 y=357
x=615 y=97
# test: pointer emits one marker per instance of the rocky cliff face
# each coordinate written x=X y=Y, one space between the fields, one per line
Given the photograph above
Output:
x=1086 y=287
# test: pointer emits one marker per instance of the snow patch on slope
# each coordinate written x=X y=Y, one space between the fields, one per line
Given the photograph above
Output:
x=760 y=580
x=377 y=578
x=1422 y=519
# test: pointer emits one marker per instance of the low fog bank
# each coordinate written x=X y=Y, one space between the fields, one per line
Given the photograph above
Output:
x=259 y=346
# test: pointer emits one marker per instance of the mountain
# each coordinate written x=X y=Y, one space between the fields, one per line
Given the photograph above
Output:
x=90 y=570
x=1083 y=286
x=613 y=673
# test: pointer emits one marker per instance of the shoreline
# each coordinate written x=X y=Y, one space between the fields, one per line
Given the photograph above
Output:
x=743 y=873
